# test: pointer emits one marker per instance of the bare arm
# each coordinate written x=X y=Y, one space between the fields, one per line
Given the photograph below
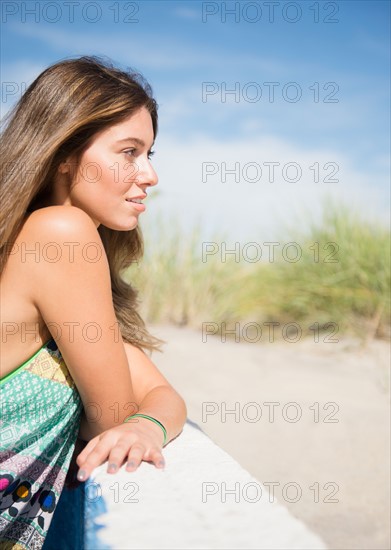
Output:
x=73 y=295
x=158 y=399
x=153 y=394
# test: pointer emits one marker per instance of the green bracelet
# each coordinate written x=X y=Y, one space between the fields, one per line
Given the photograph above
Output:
x=153 y=420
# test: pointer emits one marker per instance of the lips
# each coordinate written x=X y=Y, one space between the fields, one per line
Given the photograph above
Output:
x=137 y=200
x=136 y=205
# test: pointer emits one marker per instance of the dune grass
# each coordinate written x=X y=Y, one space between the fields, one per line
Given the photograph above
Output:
x=340 y=281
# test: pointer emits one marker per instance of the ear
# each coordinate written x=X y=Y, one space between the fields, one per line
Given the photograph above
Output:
x=64 y=167
x=68 y=165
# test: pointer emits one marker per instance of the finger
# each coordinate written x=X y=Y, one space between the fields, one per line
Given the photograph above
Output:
x=156 y=457
x=117 y=457
x=95 y=458
x=87 y=449
x=135 y=456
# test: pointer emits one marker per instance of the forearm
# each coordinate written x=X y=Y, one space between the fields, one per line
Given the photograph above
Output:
x=162 y=403
x=167 y=406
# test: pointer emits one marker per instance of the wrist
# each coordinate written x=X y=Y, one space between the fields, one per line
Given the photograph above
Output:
x=151 y=422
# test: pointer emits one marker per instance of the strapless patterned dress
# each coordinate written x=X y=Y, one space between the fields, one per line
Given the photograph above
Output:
x=40 y=418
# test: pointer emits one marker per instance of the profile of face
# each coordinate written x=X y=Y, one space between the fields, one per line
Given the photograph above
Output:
x=114 y=170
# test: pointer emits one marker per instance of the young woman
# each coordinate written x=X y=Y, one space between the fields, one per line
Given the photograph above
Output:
x=75 y=171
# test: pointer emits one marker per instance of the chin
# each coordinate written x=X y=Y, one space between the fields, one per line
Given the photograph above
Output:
x=128 y=225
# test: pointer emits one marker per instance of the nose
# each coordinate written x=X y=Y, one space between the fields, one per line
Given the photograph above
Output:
x=146 y=174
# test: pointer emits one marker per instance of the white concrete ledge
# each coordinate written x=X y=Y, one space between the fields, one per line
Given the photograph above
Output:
x=175 y=508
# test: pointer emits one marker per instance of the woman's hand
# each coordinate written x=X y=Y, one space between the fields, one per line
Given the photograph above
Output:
x=136 y=440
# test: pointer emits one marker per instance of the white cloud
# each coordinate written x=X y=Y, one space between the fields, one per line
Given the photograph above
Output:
x=254 y=210
x=150 y=50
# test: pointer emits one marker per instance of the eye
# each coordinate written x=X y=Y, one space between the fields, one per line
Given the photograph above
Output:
x=150 y=154
x=130 y=152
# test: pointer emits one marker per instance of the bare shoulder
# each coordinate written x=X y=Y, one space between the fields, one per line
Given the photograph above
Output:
x=58 y=243
x=59 y=236
x=61 y=221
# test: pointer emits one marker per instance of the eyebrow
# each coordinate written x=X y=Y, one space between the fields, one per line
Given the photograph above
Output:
x=134 y=139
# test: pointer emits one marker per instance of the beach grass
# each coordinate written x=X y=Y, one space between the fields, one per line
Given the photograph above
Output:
x=335 y=279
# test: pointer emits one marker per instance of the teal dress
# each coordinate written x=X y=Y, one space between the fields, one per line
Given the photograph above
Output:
x=40 y=418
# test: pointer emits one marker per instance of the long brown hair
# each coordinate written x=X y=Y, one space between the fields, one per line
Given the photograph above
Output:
x=57 y=116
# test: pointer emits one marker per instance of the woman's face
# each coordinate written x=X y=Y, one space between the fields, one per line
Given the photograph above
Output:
x=114 y=169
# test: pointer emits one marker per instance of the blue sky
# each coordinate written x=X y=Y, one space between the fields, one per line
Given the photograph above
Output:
x=333 y=57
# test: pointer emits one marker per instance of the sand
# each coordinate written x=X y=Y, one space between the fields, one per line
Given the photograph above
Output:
x=326 y=449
